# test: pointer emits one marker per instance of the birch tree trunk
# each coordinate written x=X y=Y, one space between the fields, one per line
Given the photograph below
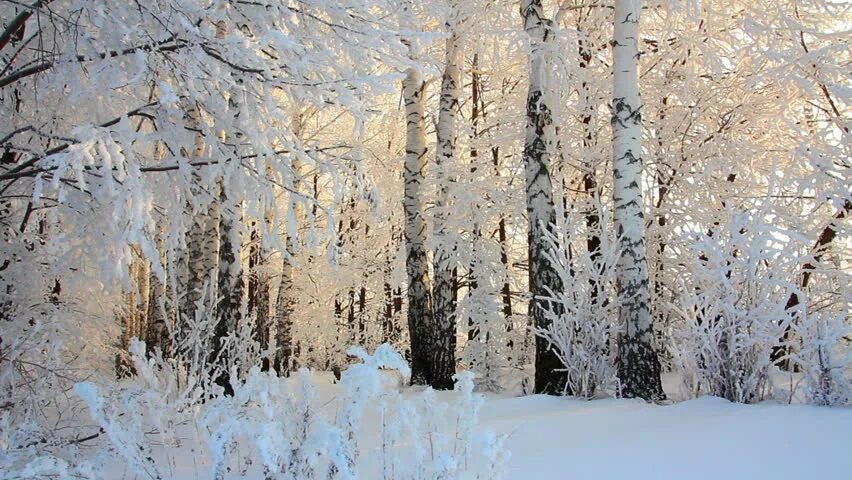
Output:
x=587 y=157
x=258 y=293
x=663 y=178
x=202 y=258
x=127 y=318
x=178 y=286
x=230 y=282
x=506 y=290
x=259 y=281
x=158 y=329
x=506 y=287
x=143 y=292
x=389 y=328
x=476 y=113
x=285 y=300
x=443 y=358
x=133 y=315
x=283 y=320
x=638 y=365
x=157 y=332
x=541 y=211
x=416 y=261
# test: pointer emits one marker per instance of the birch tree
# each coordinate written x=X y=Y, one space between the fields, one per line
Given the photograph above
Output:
x=230 y=285
x=258 y=290
x=416 y=261
x=157 y=334
x=202 y=261
x=541 y=211
x=286 y=301
x=444 y=304
x=127 y=319
x=638 y=365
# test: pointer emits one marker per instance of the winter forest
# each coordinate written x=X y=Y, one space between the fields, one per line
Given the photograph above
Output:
x=437 y=239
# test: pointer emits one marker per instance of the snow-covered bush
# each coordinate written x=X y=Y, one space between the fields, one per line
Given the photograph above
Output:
x=277 y=428
x=825 y=357
x=487 y=347
x=584 y=316
x=192 y=342
x=48 y=341
x=423 y=438
x=732 y=310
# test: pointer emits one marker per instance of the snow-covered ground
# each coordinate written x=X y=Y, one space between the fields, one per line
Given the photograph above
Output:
x=610 y=439
x=708 y=438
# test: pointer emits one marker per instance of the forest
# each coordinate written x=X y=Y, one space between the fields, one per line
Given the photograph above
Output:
x=435 y=239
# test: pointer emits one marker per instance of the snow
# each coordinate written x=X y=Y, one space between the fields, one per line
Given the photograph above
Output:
x=566 y=438
x=708 y=438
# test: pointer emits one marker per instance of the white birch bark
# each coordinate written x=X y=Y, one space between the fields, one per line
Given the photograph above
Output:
x=203 y=246
x=230 y=283
x=416 y=262
x=202 y=260
x=444 y=305
x=638 y=365
x=541 y=212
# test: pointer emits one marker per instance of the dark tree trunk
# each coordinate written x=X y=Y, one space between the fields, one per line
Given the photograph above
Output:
x=230 y=281
x=589 y=180
x=389 y=327
x=258 y=294
x=477 y=111
x=387 y=318
x=362 y=316
x=505 y=288
x=781 y=351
